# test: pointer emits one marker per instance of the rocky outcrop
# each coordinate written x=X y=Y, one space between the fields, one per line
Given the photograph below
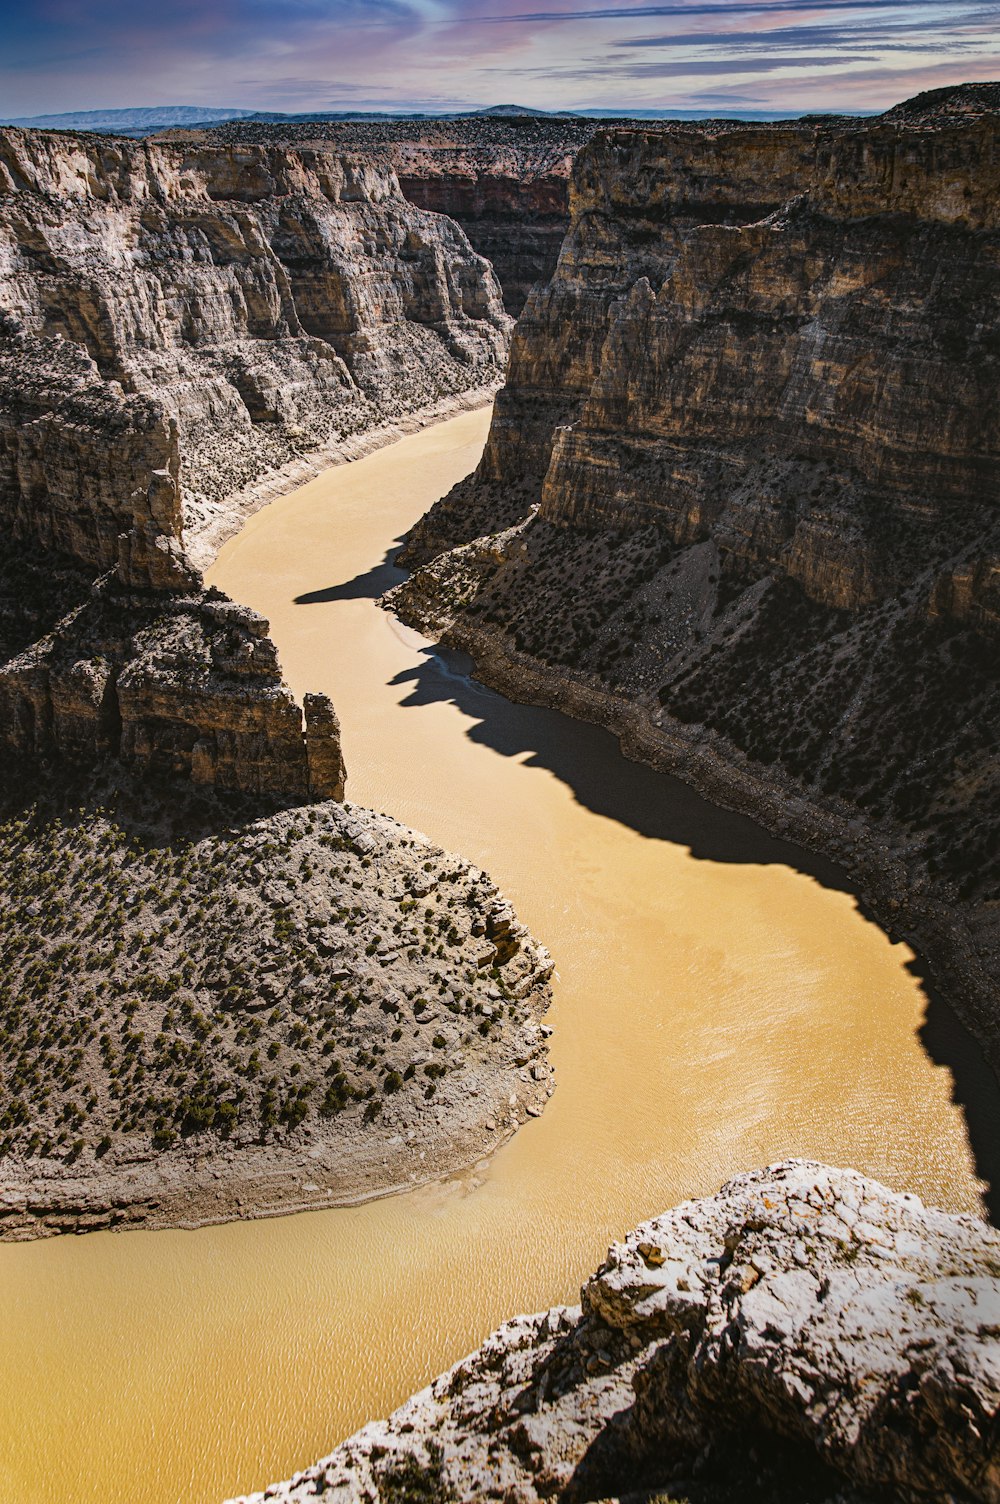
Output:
x=803 y=1335
x=86 y=471
x=176 y=321
x=185 y=686
x=740 y=494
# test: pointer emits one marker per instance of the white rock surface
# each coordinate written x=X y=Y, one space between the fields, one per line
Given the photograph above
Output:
x=804 y=1335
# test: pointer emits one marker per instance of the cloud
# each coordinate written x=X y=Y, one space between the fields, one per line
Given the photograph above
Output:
x=325 y=54
x=731 y=8
x=933 y=34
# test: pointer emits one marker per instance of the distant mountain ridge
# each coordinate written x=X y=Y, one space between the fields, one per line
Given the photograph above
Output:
x=153 y=118
x=144 y=121
x=140 y=122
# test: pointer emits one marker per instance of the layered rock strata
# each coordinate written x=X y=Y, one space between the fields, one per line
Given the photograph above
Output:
x=213 y=1006
x=219 y=997
x=174 y=322
x=739 y=499
x=511 y=201
x=805 y=1335
x=505 y=181
x=270 y=301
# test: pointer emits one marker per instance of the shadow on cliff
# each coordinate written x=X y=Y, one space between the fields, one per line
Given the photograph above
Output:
x=155 y=811
x=974 y=1086
x=584 y=757
x=656 y=805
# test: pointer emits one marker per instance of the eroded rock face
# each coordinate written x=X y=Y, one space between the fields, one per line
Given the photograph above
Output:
x=176 y=321
x=740 y=497
x=180 y=685
x=806 y=1334
x=86 y=471
x=505 y=181
x=269 y=299
x=513 y=203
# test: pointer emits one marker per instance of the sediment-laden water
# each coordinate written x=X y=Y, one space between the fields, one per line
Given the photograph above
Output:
x=721 y=1003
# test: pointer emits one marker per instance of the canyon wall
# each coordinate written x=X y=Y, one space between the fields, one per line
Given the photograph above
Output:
x=181 y=327
x=271 y=300
x=805 y=1335
x=511 y=201
x=740 y=492
x=504 y=180
x=177 y=320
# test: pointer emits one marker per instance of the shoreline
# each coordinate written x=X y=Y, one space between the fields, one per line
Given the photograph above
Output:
x=205 y=536
x=172 y=1192
x=387 y=1129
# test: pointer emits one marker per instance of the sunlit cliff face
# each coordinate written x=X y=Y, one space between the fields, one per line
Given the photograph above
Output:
x=707 y=56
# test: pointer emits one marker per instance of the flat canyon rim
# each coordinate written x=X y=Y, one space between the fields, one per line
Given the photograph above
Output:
x=721 y=1003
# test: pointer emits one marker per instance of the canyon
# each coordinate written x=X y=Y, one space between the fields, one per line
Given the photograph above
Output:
x=737 y=505
x=739 y=497
x=504 y=180
x=177 y=324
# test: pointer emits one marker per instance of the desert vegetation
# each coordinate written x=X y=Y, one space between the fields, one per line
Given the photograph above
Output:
x=193 y=967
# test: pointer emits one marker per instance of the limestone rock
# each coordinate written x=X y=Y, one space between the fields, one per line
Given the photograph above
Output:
x=804 y=1335
x=176 y=320
x=266 y=300
x=505 y=181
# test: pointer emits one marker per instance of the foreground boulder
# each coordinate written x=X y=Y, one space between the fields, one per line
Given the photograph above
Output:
x=805 y=1334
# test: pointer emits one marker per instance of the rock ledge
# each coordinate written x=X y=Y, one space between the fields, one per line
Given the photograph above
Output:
x=805 y=1334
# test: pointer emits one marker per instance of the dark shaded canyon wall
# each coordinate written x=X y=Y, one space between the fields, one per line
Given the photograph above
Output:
x=745 y=473
x=513 y=205
x=176 y=321
x=778 y=293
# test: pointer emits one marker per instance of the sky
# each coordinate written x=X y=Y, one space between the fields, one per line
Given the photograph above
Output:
x=298 y=55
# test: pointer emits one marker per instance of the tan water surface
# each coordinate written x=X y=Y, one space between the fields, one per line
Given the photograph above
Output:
x=717 y=1007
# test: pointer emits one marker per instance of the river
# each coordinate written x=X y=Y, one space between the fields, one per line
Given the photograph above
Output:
x=720 y=1003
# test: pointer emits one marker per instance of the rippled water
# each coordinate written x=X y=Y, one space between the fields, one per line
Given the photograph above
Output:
x=720 y=1003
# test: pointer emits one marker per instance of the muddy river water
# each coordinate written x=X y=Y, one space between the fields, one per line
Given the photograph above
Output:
x=721 y=1002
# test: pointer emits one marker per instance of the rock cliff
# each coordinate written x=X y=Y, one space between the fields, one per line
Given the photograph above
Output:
x=270 y=300
x=175 y=321
x=504 y=180
x=805 y=1335
x=740 y=494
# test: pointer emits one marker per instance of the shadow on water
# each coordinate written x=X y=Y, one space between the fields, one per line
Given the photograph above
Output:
x=974 y=1089
x=587 y=759
x=364 y=587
